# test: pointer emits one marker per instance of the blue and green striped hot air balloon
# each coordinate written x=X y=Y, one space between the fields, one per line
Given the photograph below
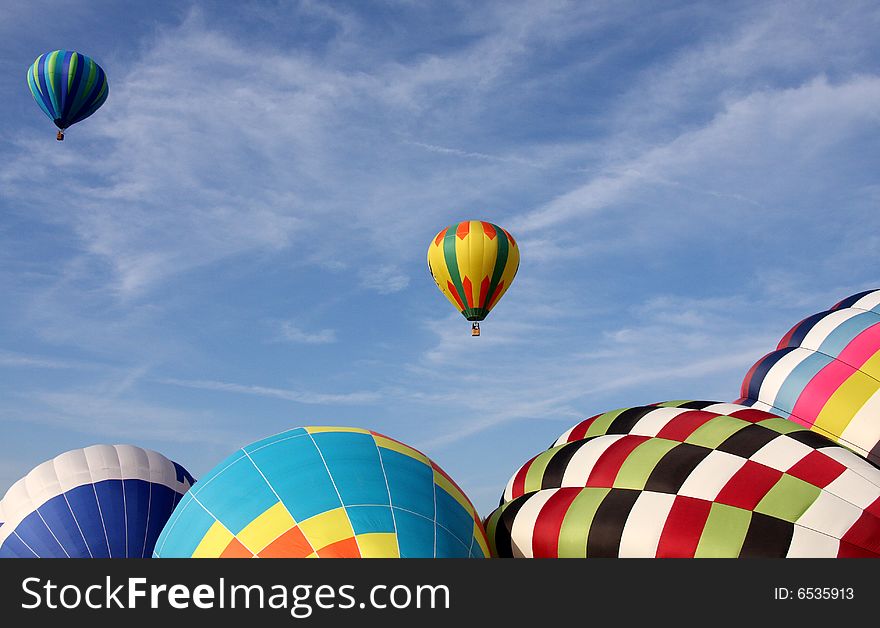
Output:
x=68 y=86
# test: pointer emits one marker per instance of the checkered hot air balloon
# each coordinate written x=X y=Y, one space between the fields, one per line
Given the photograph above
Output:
x=825 y=375
x=473 y=263
x=325 y=492
x=104 y=501
x=689 y=479
x=68 y=86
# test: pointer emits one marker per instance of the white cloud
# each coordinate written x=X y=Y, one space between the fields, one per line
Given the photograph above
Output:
x=111 y=418
x=455 y=343
x=758 y=129
x=385 y=279
x=19 y=360
x=666 y=347
x=277 y=393
x=290 y=332
x=176 y=173
x=471 y=155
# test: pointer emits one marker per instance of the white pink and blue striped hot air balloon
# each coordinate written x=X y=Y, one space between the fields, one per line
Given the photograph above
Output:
x=104 y=501
x=825 y=375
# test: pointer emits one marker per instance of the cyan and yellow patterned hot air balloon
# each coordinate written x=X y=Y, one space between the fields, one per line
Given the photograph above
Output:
x=324 y=492
x=68 y=86
x=473 y=263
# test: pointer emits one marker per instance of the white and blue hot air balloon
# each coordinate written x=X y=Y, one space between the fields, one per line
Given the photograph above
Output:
x=104 y=501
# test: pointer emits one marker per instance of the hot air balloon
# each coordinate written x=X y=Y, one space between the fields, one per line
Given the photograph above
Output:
x=473 y=263
x=324 y=492
x=689 y=479
x=825 y=375
x=68 y=86
x=104 y=501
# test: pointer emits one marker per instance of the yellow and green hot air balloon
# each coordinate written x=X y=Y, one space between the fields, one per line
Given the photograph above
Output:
x=473 y=263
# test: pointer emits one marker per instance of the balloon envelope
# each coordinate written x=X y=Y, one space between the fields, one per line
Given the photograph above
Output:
x=473 y=263
x=68 y=86
x=825 y=375
x=104 y=501
x=690 y=479
x=325 y=492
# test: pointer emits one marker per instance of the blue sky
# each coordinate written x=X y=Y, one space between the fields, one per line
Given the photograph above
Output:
x=235 y=243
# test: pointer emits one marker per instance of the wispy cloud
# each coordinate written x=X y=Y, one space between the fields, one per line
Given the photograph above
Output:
x=106 y=418
x=668 y=344
x=544 y=399
x=191 y=177
x=277 y=393
x=291 y=332
x=385 y=279
x=18 y=360
x=765 y=126
x=455 y=344
x=503 y=159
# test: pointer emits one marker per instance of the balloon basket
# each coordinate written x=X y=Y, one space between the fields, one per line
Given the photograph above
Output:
x=60 y=136
x=475 y=329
